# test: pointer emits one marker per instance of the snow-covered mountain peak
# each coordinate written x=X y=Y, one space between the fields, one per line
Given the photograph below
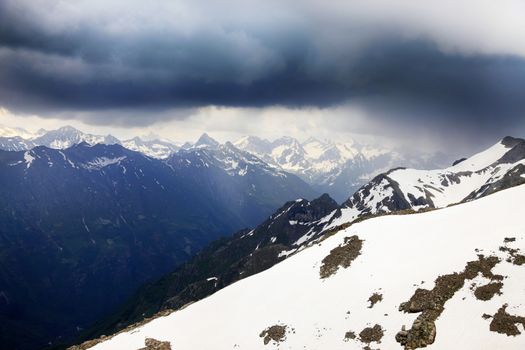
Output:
x=68 y=129
x=68 y=136
x=336 y=168
x=315 y=148
x=289 y=154
x=111 y=140
x=487 y=157
x=254 y=144
x=237 y=162
x=60 y=138
x=153 y=148
x=486 y=172
x=206 y=141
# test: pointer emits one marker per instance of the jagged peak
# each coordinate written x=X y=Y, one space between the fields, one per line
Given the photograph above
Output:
x=111 y=139
x=206 y=140
x=231 y=146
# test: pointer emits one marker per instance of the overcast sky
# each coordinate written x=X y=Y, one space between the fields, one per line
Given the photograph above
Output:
x=436 y=74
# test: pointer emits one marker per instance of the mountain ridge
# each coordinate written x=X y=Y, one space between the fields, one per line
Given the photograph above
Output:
x=335 y=168
x=312 y=231
x=347 y=318
x=102 y=215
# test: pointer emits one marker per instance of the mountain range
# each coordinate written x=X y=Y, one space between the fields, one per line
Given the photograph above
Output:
x=297 y=233
x=335 y=168
x=86 y=225
x=134 y=229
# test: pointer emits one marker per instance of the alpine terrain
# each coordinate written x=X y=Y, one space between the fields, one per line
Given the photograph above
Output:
x=336 y=168
x=465 y=293
x=262 y=174
x=86 y=225
x=317 y=275
x=17 y=139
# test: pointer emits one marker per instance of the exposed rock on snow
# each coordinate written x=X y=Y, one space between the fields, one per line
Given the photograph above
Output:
x=504 y=323
x=341 y=256
x=374 y=299
x=276 y=333
x=350 y=335
x=514 y=255
x=153 y=344
x=431 y=303
x=487 y=291
x=371 y=334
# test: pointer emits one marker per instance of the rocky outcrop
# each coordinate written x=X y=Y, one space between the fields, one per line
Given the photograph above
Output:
x=431 y=303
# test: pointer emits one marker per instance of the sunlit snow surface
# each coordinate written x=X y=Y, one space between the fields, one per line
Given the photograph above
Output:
x=102 y=162
x=6 y=131
x=399 y=252
x=452 y=185
x=482 y=159
x=29 y=158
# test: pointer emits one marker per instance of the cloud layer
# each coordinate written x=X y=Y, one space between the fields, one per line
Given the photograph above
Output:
x=426 y=63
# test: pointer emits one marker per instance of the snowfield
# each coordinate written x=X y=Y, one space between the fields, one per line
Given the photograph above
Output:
x=455 y=183
x=399 y=254
x=415 y=189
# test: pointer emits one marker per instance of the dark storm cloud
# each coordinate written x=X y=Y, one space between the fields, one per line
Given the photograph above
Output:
x=45 y=68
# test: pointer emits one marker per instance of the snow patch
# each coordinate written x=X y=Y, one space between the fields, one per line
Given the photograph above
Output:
x=102 y=162
x=29 y=158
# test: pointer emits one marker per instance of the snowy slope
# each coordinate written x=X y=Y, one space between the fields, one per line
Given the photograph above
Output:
x=399 y=254
x=457 y=182
x=16 y=143
x=400 y=189
x=483 y=159
x=153 y=148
